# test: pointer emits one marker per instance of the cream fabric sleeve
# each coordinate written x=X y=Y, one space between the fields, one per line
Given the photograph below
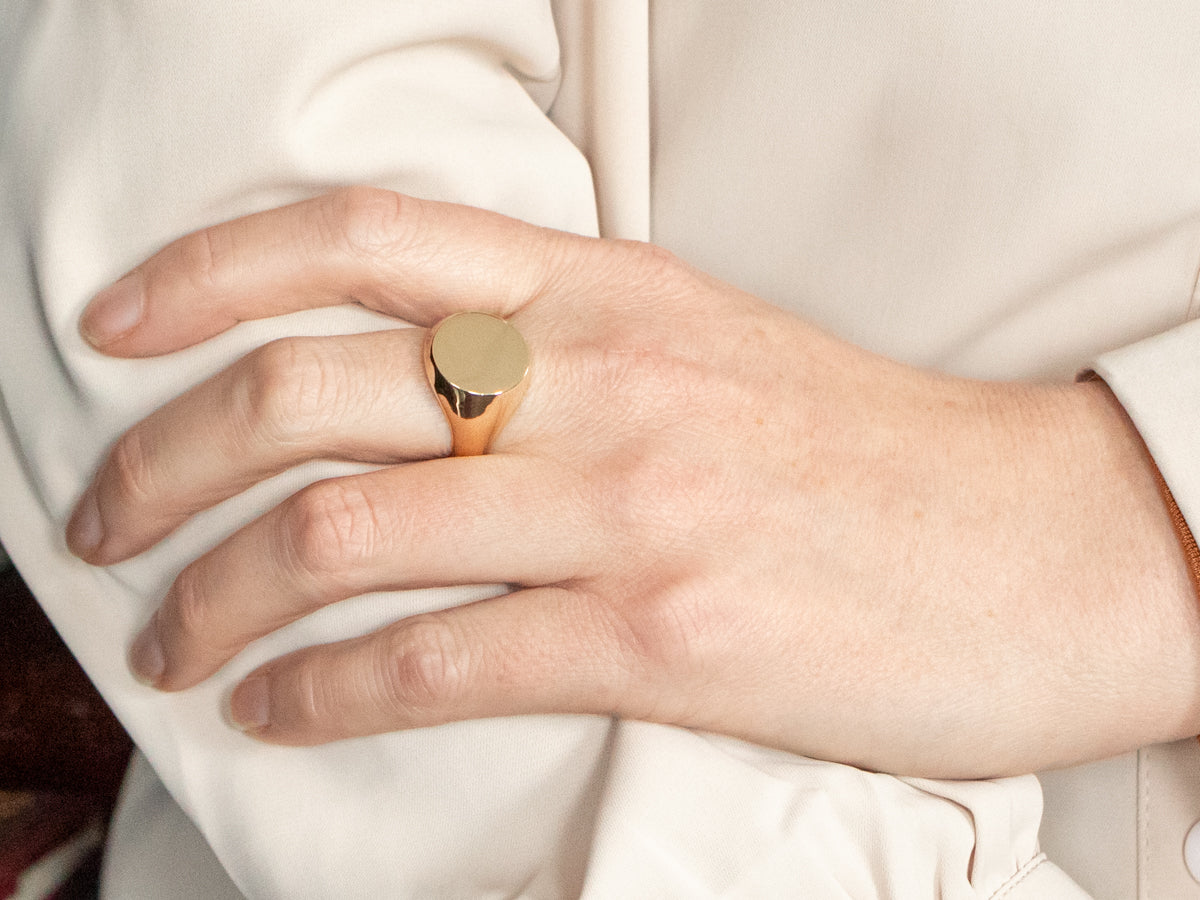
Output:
x=128 y=124
x=1157 y=380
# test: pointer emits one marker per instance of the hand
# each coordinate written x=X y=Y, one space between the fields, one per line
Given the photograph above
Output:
x=712 y=514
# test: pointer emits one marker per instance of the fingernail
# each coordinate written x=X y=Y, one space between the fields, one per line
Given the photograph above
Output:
x=113 y=312
x=85 y=531
x=250 y=705
x=146 y=655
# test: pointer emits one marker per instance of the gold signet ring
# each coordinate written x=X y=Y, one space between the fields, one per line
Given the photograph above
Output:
x=478 y=367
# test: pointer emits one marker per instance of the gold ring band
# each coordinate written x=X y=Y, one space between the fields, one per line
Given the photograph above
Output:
x=478 y=367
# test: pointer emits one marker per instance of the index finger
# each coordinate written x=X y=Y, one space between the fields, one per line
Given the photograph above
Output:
x=416 y=260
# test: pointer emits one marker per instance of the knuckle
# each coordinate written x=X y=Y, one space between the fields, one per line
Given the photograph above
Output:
x=203 y=255
x=288 y=392
x=653 y=257
x=132 y=465
x=664 y=632
x=313 y=701
x=366 y=221
x=424 y=666
x=651 y=266
x=191 y=609
x=646 y=495
x=331 y=529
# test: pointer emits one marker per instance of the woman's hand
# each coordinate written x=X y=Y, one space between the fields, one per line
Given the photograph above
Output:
x=713 y=515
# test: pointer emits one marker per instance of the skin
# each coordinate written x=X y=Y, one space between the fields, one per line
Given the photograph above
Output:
x=712 y=514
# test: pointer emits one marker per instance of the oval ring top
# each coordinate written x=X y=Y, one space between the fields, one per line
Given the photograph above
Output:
x=479 y=353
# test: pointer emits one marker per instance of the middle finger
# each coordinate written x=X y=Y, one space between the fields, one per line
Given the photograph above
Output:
x=359 y=397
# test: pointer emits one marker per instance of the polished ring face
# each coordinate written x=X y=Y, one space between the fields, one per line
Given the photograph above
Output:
x=478 y=367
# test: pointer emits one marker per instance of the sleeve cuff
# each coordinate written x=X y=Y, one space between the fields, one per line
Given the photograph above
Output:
x=1157 y=381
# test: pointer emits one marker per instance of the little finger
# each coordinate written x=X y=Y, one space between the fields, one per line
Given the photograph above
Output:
x=541 y=650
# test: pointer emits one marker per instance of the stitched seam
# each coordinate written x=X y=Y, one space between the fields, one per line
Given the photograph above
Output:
x=1023 y=873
